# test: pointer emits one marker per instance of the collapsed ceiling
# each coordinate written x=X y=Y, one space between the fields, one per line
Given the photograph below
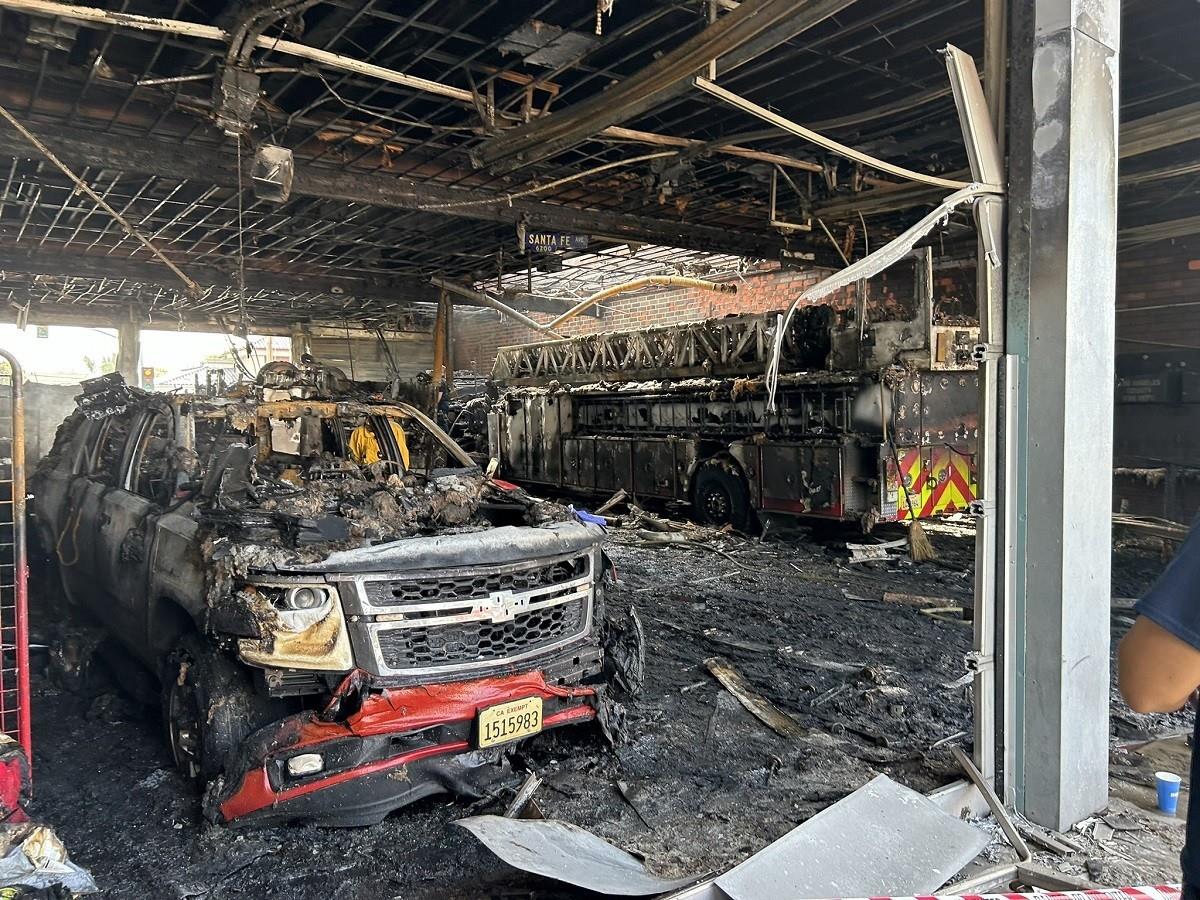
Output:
x=428 y=136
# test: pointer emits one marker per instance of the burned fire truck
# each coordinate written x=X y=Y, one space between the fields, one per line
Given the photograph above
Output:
x=875 y=420
x=344 y=613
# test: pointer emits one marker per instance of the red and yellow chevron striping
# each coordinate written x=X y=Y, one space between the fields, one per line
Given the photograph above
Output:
x=939 y=480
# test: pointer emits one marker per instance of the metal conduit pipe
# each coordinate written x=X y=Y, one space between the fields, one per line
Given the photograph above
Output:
x=637 y=284
x=485 y=300
x=820 y=140
x=212 y=33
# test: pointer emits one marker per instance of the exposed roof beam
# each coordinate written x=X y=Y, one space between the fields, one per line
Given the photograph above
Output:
x=92 y=316
x=1160 y=231
x=1164 y=129
x=214 y=166
x=753 y=28
x=904 y=104
x=105 y=18
x=665 y=140
x=1160 y=174
x=79 y=265
x=401 y=291
x=883 y=200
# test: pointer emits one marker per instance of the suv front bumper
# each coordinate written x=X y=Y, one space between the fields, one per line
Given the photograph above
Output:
x=401 y=745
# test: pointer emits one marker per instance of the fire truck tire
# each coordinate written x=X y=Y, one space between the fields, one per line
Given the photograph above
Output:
x=209 y=707
x=720 y=496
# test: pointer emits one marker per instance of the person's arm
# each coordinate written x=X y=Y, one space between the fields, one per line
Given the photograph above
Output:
x=1158 y=671
x=1159 y=659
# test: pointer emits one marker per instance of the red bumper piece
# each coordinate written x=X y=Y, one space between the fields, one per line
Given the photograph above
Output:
x=388 y=714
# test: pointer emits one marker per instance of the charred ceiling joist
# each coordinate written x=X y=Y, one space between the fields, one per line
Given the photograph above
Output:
x=113 y=152
x=753 y=28
x=398 y=291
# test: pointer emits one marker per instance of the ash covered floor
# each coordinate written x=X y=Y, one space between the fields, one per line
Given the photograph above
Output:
x=710 y=783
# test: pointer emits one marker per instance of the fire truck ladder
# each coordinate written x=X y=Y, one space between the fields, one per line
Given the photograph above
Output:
x=734 y=345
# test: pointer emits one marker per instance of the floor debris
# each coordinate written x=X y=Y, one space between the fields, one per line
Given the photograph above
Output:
x=711 y=804
x=1047 y=840
x=564 y=852
x=916 y=600
x=956 y=614
x=998 y=811
x=36 y=858
x=882 y=840
x=860 y=553
x=629 y=794
x=759 y=706
x=518 y=803
x=612 y=502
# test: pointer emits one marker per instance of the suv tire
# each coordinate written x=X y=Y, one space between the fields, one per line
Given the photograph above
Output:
x=720 y=496
x=209 y=707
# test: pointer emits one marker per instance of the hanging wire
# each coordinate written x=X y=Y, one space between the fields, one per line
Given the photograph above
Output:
x=865 y=268
x=349 y=348
x=509 y=197
x=864 y=286
x=241 y=246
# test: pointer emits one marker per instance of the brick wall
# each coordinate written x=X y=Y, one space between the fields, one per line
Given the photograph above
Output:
x=1158 y=296
x=477 y=333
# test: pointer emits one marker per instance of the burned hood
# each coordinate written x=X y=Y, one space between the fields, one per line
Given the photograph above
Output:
x=494 y=546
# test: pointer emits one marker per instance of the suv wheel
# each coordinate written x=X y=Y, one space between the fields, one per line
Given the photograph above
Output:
x=209 y=707
x=720 y=496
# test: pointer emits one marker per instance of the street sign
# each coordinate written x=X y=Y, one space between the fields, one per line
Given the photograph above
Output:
x=549 y=241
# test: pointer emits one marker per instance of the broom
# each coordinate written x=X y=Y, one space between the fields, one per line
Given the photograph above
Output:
x=920 y=549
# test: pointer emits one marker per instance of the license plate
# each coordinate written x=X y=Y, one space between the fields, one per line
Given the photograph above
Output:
x=510 y=721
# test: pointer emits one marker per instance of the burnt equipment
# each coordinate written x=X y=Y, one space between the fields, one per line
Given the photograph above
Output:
x=876 y=420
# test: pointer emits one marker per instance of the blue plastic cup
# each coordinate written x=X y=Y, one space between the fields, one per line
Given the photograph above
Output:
x=1168 y=791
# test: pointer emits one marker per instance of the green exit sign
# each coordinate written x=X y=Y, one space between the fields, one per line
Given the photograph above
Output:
x=43 y=331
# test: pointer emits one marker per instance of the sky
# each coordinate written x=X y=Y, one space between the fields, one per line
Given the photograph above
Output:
x=61 y=357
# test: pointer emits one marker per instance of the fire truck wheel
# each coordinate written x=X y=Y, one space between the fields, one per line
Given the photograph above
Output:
x=209 y=707
x=720 y=496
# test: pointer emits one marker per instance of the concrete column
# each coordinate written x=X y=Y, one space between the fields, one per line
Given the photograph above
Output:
x=129 y=351
x=1060 y=327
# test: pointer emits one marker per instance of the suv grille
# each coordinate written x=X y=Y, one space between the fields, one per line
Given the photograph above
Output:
x=450 y=622
x=467 y=642
x=473 y=587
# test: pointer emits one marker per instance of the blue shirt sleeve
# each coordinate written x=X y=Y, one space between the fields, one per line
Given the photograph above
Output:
x=1174 y=601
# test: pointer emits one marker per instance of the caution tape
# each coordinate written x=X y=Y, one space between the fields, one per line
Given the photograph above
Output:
x=1156 y=892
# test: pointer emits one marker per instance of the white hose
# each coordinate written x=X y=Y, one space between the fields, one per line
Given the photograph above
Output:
x=867 y=267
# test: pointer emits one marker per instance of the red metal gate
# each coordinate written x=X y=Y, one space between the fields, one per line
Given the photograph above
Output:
x=14 y=572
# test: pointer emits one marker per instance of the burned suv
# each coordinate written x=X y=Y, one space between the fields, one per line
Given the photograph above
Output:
x=344 y=613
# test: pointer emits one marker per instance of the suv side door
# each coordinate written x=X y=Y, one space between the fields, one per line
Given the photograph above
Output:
x=77 y=534
x=145 y=487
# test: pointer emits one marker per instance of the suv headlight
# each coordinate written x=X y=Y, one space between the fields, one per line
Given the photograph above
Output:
x=301 y=607
x=303 y=629
x=306 y=598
